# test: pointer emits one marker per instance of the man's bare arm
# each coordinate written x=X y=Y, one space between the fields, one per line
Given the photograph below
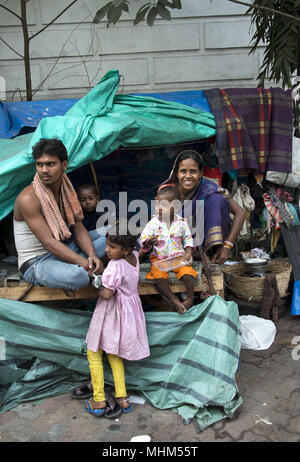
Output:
x=28 y=206
x=85 y=243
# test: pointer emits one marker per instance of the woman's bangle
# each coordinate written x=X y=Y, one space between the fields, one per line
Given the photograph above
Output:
x=228 y=245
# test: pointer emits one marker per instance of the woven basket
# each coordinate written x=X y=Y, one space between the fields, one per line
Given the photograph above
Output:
x=252 y=288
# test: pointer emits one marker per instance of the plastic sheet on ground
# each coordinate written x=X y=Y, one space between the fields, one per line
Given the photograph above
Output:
x=191 y=369
x=97 y=125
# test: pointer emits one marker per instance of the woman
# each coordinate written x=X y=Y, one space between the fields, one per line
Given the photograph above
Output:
x=219 y=232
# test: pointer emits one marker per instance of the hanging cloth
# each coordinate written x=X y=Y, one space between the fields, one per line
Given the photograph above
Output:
x=277 y=210
x=243 y=198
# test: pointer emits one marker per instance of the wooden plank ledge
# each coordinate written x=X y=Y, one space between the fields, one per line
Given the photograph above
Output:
x=15 y=290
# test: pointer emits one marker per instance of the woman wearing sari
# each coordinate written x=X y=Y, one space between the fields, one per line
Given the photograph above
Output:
x=219 y=232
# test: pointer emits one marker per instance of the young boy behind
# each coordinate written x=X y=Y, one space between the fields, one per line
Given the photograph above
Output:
x=88 y=198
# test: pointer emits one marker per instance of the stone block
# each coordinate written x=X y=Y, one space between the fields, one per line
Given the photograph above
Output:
x=142 y=39
x=14 y=75
x=9 y=19
x=52 y=42
x=227 y=34
x=196 y=8
x=77 y=13
x=205 y=68
x=77 y=75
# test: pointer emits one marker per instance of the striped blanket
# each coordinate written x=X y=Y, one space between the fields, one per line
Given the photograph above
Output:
x=192 y=367
x=254 y=128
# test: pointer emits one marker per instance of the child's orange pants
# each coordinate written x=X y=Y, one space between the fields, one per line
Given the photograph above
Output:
x=155 y=273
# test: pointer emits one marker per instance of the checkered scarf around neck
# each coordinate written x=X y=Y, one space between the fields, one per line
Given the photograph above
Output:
x=70 y=208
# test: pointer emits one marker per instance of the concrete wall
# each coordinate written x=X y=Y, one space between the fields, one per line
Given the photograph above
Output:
x=205 y=45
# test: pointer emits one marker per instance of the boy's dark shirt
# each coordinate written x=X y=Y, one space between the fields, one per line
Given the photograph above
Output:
x=90 y=219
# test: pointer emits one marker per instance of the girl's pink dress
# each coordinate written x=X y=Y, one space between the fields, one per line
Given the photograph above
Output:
x=118 y=325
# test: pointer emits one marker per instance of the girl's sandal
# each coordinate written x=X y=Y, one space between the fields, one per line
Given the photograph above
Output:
x=95 y=412
x=125 y=399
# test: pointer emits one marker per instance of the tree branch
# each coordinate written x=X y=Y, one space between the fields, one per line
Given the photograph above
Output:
x=11 y=11
x=259 y=7
x=53 y=20
x=21 y=56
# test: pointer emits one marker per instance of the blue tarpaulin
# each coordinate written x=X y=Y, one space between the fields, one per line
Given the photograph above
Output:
x=15 y=116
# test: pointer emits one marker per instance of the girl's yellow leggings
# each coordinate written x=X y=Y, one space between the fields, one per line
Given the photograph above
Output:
x=97 y=374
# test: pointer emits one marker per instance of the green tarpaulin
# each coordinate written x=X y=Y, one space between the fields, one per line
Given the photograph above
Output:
x=191 y=370
x=97 y=125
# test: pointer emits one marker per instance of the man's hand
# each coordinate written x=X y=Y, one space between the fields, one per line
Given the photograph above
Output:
x=95 y=265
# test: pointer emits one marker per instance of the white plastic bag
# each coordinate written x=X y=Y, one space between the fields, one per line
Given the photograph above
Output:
x=256 y=333
x=292 y=179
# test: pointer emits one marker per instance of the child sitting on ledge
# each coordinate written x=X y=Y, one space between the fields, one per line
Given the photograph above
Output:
x=168 y=235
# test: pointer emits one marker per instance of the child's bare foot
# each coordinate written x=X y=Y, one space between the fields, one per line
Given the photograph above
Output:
x=188 y=302
x=180 y=308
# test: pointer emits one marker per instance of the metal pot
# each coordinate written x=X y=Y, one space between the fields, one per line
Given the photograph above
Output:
x=256 y=266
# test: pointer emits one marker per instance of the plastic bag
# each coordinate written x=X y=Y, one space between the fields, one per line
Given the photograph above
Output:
x=292 y=179
x=171 y=263
x=256 y=333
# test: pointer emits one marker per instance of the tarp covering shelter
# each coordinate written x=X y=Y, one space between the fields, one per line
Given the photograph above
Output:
x=191 y=370
x=97 y=125
x=20 y=117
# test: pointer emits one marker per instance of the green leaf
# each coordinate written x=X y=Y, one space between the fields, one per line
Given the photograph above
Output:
x=163 y=12
x=166 y=3
x=101 y=13
x=177 y=4
x=151 y=16
x=124 y=7
x=140 y=15
x=117 y=14
x=117 y=3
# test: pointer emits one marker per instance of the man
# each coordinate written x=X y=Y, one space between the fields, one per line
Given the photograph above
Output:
x=54 y=248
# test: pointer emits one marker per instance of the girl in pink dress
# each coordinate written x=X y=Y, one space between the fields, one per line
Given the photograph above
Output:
x=118 y=324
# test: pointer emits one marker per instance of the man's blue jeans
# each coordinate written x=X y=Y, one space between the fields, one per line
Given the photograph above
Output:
x=49 y=271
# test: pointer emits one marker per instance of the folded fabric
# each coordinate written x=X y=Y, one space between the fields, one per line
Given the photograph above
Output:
x=254 y=128
x=278 y=211
x=284 y=212
x=244 y=200
x=213 y=174
x=294 y=214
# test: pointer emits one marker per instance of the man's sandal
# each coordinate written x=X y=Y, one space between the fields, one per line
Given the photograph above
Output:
x=95 y=412
x=83 y=391
x=124 y=400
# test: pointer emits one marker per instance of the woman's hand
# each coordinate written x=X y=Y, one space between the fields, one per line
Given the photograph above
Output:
x=220 y=256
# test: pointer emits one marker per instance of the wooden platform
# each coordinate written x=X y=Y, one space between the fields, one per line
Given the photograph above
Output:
x=15 y=290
